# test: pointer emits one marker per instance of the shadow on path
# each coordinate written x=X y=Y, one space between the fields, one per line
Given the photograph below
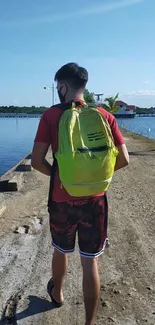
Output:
x=142 y=153
x=36 y=306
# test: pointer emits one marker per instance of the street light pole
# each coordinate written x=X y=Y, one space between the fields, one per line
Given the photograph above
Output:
x=52 y=92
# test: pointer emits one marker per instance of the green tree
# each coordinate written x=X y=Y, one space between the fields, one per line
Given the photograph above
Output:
x=24 y=109
x=110 y=104
x=89 y=97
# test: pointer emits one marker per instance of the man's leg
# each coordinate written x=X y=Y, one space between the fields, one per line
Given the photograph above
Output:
x=91 y=288
x=92 y=233
x=61 y=222
x=59 y=269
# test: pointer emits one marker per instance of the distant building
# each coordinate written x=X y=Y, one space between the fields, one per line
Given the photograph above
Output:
x=125 y=109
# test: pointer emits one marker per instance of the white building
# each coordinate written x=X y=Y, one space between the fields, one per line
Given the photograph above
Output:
x=125 y=109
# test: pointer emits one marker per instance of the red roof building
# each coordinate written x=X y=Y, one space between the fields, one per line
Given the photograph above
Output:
x=125 y=105
x=130 y=108
x=125 y=109
x=121 y=103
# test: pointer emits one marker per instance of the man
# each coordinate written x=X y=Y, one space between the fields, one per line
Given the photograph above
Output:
x=87 y=215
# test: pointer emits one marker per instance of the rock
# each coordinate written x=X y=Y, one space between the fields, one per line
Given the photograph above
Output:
x=105 y=304
x=103 y=288
x=111 y=319
x=10 y=308
x=116 y=292
x=32 y=229
x=37 y=223
x=22 y=230
x=149 y=288
x=134 y=289
x=113 y=283
x=77 y=303
x=125 y=283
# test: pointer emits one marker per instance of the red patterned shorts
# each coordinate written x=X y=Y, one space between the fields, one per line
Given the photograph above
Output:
x=88 y=218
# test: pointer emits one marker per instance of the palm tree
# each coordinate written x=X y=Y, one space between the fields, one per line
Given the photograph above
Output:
x=110 y=104
x=89 y=97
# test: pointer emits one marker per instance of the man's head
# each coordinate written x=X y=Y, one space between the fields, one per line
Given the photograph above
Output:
x=71 y=81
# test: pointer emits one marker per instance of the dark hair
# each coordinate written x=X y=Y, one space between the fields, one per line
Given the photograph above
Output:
x=75 y=75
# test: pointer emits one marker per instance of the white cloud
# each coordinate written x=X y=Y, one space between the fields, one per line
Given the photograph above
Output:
x=140 y=93
x=109 y=7
x=95 y=10
x=146 y=82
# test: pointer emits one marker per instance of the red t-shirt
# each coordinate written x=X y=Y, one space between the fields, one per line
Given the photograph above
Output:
x=48 y=133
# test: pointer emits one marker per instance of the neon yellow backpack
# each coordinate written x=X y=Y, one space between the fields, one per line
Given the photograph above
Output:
x=86 y=153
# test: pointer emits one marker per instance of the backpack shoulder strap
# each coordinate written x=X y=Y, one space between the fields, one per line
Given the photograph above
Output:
x=52 y=178
x=64 y=106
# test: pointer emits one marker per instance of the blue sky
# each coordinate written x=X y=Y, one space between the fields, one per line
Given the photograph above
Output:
x=113 y=39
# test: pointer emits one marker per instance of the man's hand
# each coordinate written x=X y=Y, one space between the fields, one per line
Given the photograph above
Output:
x=122 y=158
x=38 y=161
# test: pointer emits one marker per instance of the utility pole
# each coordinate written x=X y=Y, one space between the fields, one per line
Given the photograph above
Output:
x=52 y=93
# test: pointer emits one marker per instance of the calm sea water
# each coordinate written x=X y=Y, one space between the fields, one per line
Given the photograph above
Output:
x=16 y=140
x=141 y=125
x=17 y=135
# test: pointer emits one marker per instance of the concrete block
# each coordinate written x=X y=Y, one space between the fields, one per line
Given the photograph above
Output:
x=3 y=185
x=29 y=156
x=26 y=167
x=15 y=183
x=2 y=204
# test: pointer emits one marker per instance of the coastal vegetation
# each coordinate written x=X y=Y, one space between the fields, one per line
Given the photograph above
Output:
x=24 y=109
x=109 y=104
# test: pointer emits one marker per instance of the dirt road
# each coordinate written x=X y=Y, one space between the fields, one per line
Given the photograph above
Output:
x=127 y=268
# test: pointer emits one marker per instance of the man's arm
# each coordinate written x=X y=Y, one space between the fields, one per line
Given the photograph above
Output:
x=42 y=141
x=122 y=158
x=38 y=161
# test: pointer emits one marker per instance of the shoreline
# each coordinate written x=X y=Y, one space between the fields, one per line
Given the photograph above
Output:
x=12 y=169
x=137 y=135
x=123 y=130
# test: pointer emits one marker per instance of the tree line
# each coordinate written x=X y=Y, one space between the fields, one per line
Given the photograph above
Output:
x=24 y=109
x=110 y=104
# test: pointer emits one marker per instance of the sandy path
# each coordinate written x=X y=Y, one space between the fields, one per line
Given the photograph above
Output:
x=127 y=268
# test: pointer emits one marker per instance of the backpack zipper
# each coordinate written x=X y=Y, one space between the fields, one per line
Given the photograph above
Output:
x=98 y=149
x=86 y=184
